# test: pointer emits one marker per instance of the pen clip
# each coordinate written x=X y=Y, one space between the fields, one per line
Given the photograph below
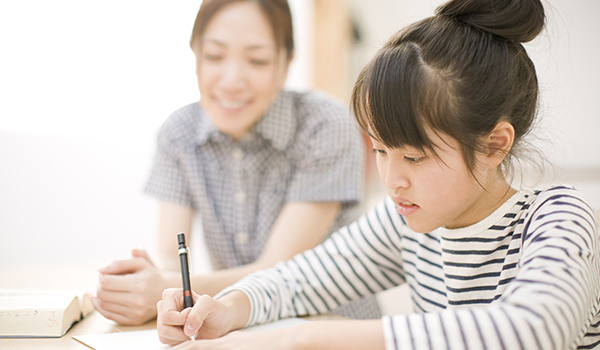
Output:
x=189 y=256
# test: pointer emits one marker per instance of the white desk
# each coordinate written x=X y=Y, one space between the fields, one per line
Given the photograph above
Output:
x=68 y=277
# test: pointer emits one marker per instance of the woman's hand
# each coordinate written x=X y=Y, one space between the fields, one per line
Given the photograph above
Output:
x=129 y=289
x=208 y=319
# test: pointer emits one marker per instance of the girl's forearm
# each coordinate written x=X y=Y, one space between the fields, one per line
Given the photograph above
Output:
x=215 y=282
x=334 y=335
x=238 y=306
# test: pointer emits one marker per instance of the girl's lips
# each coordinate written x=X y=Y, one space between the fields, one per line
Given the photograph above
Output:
x=404 y=208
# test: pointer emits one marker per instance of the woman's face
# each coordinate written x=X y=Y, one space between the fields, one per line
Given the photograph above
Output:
x=239 y=67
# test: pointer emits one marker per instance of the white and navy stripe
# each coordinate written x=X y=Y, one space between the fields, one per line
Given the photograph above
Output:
x=526 y=277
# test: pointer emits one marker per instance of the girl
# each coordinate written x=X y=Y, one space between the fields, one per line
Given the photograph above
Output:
x=446 y=102
x=270 y=172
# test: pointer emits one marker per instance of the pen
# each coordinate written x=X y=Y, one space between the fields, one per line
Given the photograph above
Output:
x=188 y=301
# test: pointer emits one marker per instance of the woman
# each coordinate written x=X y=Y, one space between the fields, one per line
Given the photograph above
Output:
x=270 y=172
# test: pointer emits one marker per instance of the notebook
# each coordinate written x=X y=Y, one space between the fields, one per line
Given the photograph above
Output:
x=148 y=339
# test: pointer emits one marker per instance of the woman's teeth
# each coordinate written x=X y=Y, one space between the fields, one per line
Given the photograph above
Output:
x=232 y=104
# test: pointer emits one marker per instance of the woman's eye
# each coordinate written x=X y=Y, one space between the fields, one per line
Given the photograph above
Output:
x=259 y=62
x=212 y=57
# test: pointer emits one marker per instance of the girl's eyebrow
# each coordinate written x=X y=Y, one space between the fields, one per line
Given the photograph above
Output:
x=373 y=137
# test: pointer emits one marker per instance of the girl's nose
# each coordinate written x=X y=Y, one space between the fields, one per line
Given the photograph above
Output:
x=394 y=177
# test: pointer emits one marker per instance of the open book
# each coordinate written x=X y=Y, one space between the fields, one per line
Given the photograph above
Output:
x=41 y=313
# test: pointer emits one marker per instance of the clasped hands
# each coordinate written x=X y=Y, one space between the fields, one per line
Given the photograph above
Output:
x=129 y=289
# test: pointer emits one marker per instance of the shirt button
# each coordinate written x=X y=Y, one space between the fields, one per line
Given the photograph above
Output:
x=240 y=197
x=238 y=154
x=242 y=238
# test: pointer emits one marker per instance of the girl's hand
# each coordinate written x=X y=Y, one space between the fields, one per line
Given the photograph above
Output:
x=129 y=289
x=334 y=335
x=208 y=319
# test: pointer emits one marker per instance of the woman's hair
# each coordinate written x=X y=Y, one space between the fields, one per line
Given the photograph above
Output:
x=457 y=73
x=277 y=13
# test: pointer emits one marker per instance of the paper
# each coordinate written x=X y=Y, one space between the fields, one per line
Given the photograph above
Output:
x=287 y=322
x=148 y=339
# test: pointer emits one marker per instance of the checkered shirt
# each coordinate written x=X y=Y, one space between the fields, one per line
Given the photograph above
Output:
x=305 y=149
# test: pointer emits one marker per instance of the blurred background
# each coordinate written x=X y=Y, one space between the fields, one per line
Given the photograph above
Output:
x=85 y=86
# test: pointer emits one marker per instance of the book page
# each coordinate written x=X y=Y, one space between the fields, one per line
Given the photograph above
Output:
x=23 y=299
x=148 y=339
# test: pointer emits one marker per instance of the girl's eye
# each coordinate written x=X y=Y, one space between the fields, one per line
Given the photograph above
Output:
x=380 y=151
x=413 y=160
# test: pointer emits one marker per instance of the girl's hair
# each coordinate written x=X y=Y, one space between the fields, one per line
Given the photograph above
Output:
x=457 y=73
x=277 y=12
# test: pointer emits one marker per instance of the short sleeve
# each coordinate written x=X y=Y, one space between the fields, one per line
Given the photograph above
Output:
x=329 y=162
x=167 y=180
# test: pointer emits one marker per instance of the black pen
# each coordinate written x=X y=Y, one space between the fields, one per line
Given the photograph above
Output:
x=188 y=301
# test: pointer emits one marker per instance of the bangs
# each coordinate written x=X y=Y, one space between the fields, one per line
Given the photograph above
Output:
x=397 y=98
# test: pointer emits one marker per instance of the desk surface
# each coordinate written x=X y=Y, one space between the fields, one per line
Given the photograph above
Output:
x=64 y=276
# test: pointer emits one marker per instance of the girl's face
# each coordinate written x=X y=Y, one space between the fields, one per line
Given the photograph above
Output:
x=239 y=67
x=431 y=192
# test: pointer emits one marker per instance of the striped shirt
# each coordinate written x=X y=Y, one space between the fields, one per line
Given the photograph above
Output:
x=525 y=277
x=304 y=149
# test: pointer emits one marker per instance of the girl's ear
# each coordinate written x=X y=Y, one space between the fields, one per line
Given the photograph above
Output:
x=498 y=143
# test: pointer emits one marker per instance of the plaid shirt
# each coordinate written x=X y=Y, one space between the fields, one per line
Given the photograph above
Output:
x=304 y=149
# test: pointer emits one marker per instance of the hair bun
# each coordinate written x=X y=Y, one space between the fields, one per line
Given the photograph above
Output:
x=516 y=20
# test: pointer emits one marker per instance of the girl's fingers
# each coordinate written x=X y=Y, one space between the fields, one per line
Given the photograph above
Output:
x=171 y=335
x=170 y=320
x=202 y=308
x=174 y=317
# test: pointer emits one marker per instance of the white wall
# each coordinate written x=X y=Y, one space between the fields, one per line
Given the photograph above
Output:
x=566 y=59
x=84 y=88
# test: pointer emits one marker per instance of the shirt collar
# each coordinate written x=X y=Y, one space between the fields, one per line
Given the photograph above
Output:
x=278 y=124
x=206 y=128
